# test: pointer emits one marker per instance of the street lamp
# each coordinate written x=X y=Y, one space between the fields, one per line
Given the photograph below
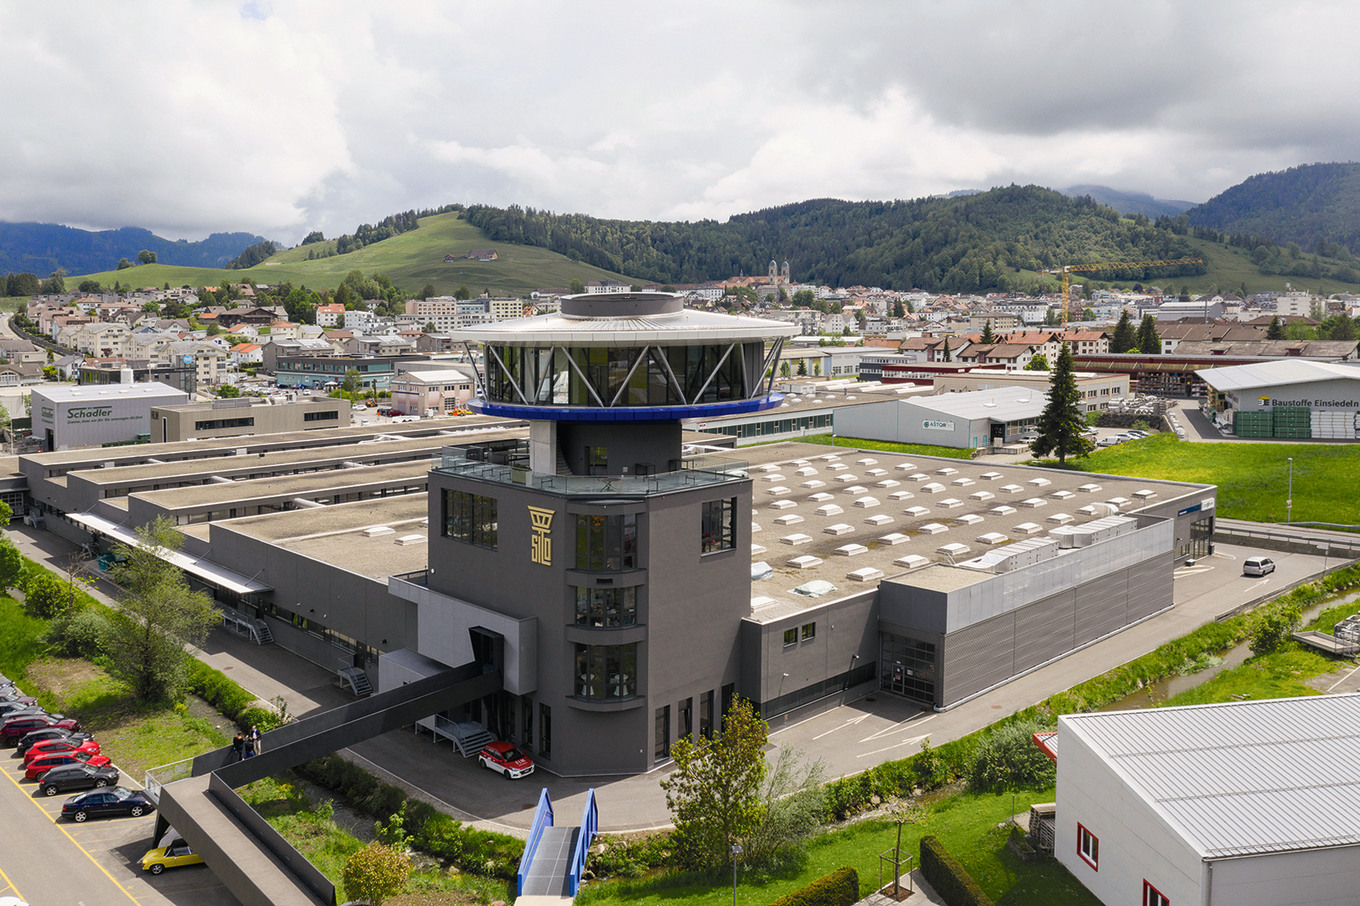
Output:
x=1289 y=501
x=736 y=851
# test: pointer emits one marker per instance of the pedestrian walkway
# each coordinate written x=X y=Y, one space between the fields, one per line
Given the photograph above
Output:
x=922 y=894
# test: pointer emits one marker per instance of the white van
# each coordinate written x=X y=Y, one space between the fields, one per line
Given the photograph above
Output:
x=1258 y=566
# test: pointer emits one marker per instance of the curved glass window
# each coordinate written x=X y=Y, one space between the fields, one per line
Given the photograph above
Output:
x=621 y=376
x=606 y=671
x=606 y=607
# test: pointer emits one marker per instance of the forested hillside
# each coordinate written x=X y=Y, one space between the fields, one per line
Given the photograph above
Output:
x=1316 y=206
x=992 y=240
x=42 y=248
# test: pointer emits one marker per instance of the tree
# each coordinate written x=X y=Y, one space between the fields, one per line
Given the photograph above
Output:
x=898 y=311
x=902 y=811
x=948 y=356
x=146 y=257
x=1185 y=295
x=426 y=291
x=89 y=286
x=714 y=791
x=1124 y=334
x=1062 y=421
x=124 y=264
x=575 y=287
x=11 y=564
x=55 y=285
x=988 y=337
x=375 y=873
x=1272 y=625
x=802 y=368
x=353 y=382
x=159 y=615
x=1038 y=363
x=1276 y=329
x=804 y=298
x=1149 y=342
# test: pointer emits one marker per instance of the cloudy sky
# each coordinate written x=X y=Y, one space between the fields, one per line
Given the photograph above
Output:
x=278 y=117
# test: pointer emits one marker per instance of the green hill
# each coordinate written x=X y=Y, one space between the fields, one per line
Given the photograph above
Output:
x=412 y=260
x=1315 y=206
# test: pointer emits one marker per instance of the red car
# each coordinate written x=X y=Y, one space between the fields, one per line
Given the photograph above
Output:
x=15 y=728
x=55 y=746
x=40 y=766
x=508 y=760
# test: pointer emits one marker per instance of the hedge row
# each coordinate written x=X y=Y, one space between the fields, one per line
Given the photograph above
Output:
x=234 y=703
x=950 y=879
x=840 y=888
x=431 y=831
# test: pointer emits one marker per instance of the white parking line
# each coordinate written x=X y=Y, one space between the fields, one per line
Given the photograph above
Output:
x=905 y=742
x=898 y=726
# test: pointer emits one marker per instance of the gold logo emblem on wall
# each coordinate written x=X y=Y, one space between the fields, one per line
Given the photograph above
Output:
x=540 y=539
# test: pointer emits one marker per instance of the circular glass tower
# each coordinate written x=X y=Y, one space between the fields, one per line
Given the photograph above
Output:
x=608 y=379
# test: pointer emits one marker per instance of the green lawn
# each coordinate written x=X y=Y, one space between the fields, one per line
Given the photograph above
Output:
x=1252 y=479
x=411 y=260
x=885 y=446
x=968 y=824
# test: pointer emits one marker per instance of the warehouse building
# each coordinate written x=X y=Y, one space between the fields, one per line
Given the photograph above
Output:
x=967 y=421
x=246 y=415
x=1290 y=398
x=98 y=415
x=1251 y=803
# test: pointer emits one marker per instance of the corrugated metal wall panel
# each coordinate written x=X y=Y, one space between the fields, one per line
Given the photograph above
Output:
x=977 y=657
x=1044 y=630
x=1100 y=606
x=1150 y=588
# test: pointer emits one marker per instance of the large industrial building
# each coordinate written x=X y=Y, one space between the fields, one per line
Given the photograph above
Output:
x=625 y=586
x=1251 y=803
x=100 y=414
x=1291 y=398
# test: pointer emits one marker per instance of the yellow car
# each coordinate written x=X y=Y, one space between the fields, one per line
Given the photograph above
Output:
x=173 y=856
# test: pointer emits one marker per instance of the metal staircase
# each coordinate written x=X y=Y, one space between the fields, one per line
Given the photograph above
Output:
x=357 y=680
x=467 y=737
x=263 y=636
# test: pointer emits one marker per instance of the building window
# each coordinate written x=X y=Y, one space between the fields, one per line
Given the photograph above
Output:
x=217 y=424
x=527 y=713
x=606 y=607
x=790 y=637
x=1088 y=847
x=328 y=415
x=809 y=631
x=686 y=715
x=544 y=730
x=719 y=525
x=606 y=543
x=661 y=732
x=470 y=517
x=1154 y=897
x=706 y=714
x=605 y=672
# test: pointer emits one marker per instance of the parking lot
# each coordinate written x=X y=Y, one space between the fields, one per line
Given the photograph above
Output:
x=45 y=860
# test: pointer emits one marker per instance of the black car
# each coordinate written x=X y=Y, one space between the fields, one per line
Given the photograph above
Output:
x=27 y=741
x=78 y=776
x=111 y=802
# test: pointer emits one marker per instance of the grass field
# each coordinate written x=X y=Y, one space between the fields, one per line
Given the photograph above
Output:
x=885 y=446
x=969 y=825
x=411 y=260
x=1252 y=479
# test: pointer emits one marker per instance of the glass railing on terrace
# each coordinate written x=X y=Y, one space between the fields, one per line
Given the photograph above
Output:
x=695 y=472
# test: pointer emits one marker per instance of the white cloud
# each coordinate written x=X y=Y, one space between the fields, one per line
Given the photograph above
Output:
x=282 y=116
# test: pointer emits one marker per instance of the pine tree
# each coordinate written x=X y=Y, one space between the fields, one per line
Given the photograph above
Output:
x=1149 y=341
x=948 y=356
x=1062 y=421
x=1276 y=329
x=988 y=338
x=1124 y=334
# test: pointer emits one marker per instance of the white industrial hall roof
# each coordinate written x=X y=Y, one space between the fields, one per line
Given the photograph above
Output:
x=1273 y=374
x=1000 y=403
x=1239 y=778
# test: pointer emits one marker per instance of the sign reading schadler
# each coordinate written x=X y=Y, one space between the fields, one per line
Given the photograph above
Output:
x=540 y=537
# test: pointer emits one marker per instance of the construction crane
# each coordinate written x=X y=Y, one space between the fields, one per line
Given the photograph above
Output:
x=1068 y=269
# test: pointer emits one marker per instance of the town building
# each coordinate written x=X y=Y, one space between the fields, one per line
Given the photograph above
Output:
x=245 y=415
x=1290 y=398
x=98 y=415
x=1252 y=803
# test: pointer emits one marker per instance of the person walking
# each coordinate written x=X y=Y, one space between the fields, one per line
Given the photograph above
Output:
x=238 y=746
x=250 y=746
x=255 y=739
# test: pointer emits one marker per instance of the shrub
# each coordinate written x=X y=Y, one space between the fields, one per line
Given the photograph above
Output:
x=78 y=634
x=1271 y=626
x=375 y=873
x=216 y=689
x=948 y=877
x=1007 y=759
x=840 y=888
